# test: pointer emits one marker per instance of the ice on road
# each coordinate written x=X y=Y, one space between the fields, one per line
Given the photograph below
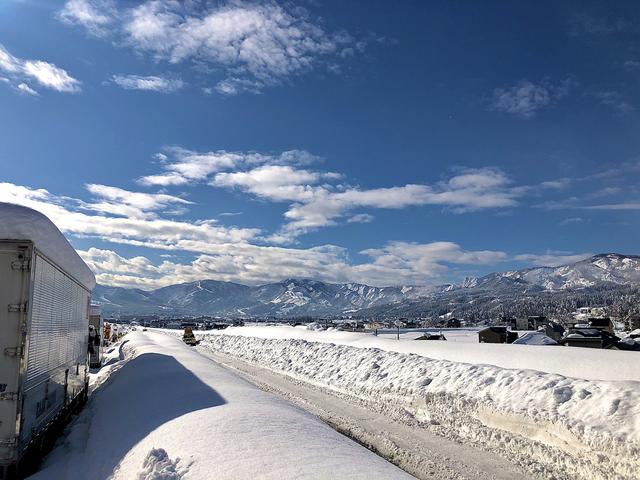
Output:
x=170 y=413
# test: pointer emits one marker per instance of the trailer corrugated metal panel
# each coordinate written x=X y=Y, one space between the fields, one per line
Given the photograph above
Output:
x=57 y=347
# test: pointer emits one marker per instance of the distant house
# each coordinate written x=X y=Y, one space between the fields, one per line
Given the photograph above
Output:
x=453 y=323
x=589 y=338
x=519 y=324
x=372 y=326
x=534 y=322
x=497 y=334
x=601 y=323
x=432 y=336
x=554 y=330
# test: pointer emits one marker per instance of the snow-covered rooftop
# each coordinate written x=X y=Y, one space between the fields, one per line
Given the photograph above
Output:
x=22 y=223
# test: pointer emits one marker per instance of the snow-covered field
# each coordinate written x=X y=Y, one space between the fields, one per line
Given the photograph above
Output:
x=560 y=412
x=162 y=411
x=588 y=364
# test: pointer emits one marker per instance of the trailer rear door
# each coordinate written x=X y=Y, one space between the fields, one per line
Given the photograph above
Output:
x=15 y=261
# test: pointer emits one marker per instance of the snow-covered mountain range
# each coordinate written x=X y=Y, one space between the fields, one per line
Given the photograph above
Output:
x=295 y=297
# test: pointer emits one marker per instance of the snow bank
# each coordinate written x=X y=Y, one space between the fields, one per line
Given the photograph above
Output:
x=23 y=223
x=585 y=363
x=169 y=413
x=558 y=427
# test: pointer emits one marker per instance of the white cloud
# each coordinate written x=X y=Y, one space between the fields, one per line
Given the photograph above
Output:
x=118 y=201
x=583 y=23
x=275 y=182
x=24 y=88
x=526 y=99
x=255 y=44
x=631 y=64
x=361 y=218
x=423 y=263
x=319 y=198
x=94 y=15
x=152 y=83
x=552 y=259
x=572 y=221
x=229 y=253
x=50 y=76
x=469 y=190
x=46 y=74
x=614 y=206
x=397 y=263
x=236 y=85
x=121 y=224
x=615 y=101
x=182 y=166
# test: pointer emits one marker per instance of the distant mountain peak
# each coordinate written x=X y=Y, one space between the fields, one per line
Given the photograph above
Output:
x=305 y=296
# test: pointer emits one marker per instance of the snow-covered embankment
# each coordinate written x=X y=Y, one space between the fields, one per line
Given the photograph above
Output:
x=169 y=413
x=555 y=426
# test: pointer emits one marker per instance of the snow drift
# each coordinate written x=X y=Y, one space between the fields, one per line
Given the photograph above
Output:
x=553 y=425
x=170 y=413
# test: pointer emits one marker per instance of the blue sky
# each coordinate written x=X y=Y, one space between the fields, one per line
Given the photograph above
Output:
x=377 y=142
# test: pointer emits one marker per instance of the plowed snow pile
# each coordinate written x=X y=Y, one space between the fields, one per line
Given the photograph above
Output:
x=555 y=426
x=169 y=413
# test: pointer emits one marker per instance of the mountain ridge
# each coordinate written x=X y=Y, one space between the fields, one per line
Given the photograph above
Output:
x=309 y=297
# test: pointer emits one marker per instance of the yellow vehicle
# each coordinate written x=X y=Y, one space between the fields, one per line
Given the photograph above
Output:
x=189 y=338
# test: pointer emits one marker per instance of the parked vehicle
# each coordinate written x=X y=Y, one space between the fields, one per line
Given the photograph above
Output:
x=188 y=337
x=44 y=317
x=96 y=328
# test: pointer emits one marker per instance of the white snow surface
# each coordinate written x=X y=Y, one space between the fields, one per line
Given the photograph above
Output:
x=170 y=413
x=23 y=223
x=558 y=427
x=575 y=362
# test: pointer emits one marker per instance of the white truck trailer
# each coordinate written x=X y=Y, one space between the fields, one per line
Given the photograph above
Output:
x=45 y=292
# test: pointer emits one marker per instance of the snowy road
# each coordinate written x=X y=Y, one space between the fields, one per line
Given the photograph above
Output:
x=417 y=451
x=170 y=413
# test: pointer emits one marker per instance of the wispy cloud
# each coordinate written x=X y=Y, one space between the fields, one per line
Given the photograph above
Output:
x=24 y=88
x=233 y=253
x=551 y=258
x=585 y=24
x=94 y=15
x=469 y=190
x=572 y=221
x=614 y=206
x=225 y=253
x=631 y=64
x=255 y=44
x=119 y=216
x=614 y=100
x=361 y=218
x=45 y=74
x=118 y=201
x=318 y=199
x=152 y=83
x=182 y=166
x=526 y=99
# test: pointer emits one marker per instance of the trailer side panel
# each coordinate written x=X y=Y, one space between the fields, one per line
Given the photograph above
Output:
x=57 y=347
